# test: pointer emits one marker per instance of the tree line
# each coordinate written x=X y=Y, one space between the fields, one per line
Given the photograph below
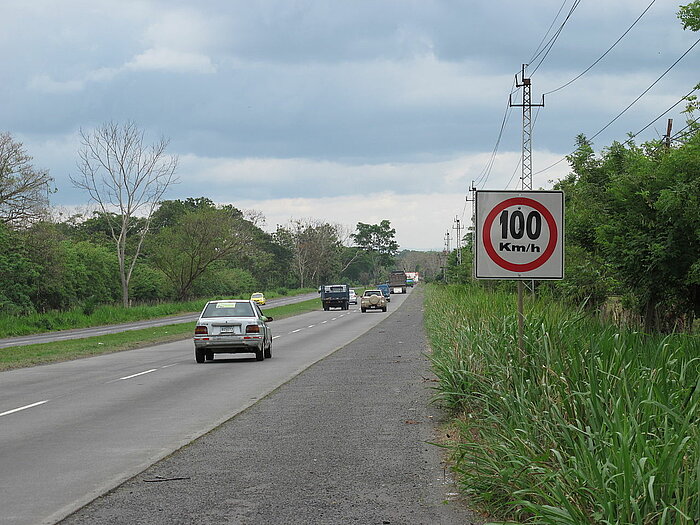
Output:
x=138 y=247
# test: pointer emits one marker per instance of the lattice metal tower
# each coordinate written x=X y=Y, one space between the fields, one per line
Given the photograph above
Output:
x=527 y=105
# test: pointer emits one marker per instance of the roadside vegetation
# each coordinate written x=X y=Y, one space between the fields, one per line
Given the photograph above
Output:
x=31 y=355
x=590 y=424
x=100 y=315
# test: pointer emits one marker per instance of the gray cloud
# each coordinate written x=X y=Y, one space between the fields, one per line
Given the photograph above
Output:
x=345 y=84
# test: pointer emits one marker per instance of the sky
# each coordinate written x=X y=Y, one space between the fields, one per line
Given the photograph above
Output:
x=343 y=111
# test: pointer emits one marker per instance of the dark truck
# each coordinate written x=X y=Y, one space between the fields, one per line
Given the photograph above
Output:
x=397 y=281
x=335 y=296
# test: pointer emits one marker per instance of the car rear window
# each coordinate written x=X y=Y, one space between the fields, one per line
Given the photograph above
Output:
x=228 y=310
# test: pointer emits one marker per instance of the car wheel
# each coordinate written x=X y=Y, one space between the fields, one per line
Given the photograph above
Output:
x=268 y=351
x=363 y=310
x=384 y=309
x=199 y=355
x=259 y=354
x=209 y=356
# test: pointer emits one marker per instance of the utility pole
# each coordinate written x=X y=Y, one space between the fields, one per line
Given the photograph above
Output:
x=447 y=255
x=667 y=138
x=527 y=105
x=459 y=241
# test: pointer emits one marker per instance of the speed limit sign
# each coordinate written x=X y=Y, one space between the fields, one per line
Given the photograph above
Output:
x=519 y=235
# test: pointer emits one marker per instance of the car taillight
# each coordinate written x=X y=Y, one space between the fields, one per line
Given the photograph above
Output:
x=200 y=330
x=252 y=329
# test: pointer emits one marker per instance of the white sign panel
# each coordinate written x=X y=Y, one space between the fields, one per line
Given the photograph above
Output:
x=519 y=235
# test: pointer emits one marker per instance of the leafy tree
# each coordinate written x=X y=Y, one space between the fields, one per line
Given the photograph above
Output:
x=185 y=250
x=18 y=274
x=24 y=189
x=170 y=212
x=377 y=241
x=690 y=15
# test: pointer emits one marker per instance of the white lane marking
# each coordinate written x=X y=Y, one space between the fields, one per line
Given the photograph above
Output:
x=168 y=366
x=139 y=374
x=333 y=319
x=295 y=331
x=324 y=322
x=275 y=336
x=24 y=408
x=311 y=325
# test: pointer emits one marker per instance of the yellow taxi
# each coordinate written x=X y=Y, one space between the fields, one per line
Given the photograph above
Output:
x=258 y=298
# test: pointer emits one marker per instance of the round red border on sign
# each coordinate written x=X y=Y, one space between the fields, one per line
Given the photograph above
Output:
x=551 y=245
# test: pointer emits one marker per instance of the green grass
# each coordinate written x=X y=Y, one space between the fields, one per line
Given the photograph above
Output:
x=31 y=355
x=12 y=326
x=590 y=424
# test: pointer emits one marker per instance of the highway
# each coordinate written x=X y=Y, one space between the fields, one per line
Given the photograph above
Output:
x=71 y=431
x=79 y=333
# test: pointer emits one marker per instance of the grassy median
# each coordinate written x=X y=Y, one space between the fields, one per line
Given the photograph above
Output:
x=31 y=355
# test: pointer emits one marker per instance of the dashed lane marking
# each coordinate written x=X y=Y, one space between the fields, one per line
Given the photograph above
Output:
x=23 y=408
x=139 y=374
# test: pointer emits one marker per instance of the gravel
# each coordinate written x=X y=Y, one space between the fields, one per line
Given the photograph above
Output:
x=346 y=441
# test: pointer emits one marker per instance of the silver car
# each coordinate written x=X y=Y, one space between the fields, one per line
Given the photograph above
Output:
x=232 y=327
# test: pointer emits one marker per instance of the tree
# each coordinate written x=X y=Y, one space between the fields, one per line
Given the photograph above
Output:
x=377 y=240
x=125 y=178
x=315 y=248
x=690 y=15
x=201 y=237
x=24 y=189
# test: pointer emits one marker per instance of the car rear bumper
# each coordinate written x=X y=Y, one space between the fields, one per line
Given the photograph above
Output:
x=229 y=344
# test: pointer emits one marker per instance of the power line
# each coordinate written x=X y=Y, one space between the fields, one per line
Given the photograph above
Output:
x=646 y=90
x=537 y=50
x=606 y=52
x=634 y=102
x=553 y=40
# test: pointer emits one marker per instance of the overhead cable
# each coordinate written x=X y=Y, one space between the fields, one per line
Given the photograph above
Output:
x=604 y=54
x=537 y=51
x=684 y=97
x=552 y=41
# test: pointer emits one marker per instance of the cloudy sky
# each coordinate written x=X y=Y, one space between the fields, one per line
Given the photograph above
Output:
x=340 y=110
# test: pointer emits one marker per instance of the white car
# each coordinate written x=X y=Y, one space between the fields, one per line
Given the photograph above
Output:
x=353 y=297
x=232 y=327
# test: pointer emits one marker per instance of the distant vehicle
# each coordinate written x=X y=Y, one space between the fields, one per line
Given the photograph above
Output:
x=373 y=300
x=397 y=281
x=232 y=327
x=409 y=282
x=335 y=296
x=413 y=276
x=353 y=297
x=258 y=298
x=385 y=290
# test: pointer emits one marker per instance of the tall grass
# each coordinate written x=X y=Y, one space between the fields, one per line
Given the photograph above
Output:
x=589 y=424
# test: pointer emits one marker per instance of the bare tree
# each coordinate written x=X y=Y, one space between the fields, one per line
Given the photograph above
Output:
x=24 y=190
x=315 y=247
x=125 y=178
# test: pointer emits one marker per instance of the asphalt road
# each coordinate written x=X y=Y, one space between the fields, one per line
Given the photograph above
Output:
x=80 y=333
x=346 y=441
x=71 y=431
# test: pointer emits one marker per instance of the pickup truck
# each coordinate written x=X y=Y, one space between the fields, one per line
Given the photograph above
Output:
x=335 y=296
x=373 y=300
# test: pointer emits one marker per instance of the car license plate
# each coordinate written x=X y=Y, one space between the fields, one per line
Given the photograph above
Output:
x=228 y=330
